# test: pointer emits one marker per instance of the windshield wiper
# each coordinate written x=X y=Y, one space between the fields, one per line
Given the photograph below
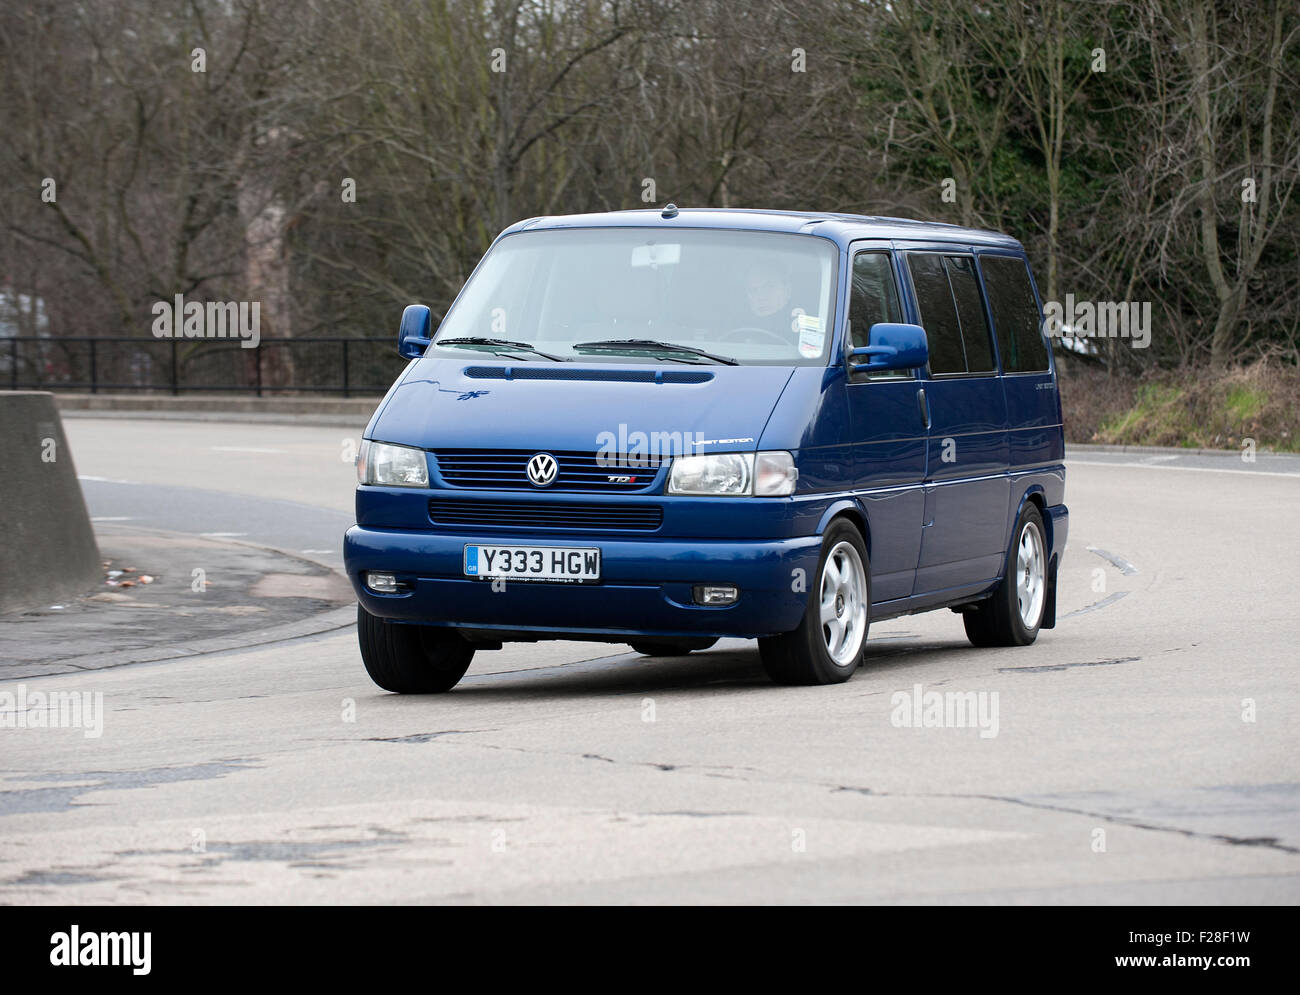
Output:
x=479 y=340
x=652 y=345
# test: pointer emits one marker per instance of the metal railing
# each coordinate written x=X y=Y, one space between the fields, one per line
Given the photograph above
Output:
x=335 y=365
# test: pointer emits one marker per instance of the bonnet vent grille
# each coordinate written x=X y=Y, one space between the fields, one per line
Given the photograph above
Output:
x=563 y=373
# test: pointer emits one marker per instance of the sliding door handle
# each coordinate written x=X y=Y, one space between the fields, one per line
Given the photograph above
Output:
x=924 y=406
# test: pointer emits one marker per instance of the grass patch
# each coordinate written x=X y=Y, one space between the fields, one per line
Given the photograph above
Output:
x=1244 y=402
x=1158 y=411
x=1191 y=409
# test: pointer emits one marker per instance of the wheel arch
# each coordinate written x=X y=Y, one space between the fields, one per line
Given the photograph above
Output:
x=854 y=513
x=1035 y=495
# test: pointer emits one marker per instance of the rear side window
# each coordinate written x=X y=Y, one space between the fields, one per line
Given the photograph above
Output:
x=970 y=309
x=1015 y=314
x=938 y=312
x=952 y=312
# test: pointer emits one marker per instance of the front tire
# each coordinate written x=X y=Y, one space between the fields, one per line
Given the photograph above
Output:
x=829 y=644
x=411 y=659
x=1012 y=616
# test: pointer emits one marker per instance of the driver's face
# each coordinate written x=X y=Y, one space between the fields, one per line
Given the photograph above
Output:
x=768 y=292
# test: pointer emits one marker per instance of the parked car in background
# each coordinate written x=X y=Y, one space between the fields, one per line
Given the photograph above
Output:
x=20 y=315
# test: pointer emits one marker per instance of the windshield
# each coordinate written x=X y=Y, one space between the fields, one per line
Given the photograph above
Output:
x=619 y=295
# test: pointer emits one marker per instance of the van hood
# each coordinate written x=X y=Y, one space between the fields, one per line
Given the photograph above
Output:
x=451 y=403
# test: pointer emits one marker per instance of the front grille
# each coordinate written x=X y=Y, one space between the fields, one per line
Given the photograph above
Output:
x=505 y=469
x=570 y=516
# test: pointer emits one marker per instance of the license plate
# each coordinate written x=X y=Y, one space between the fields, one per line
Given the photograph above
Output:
x=562 y=564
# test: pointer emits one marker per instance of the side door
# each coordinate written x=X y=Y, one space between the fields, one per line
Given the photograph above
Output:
x=967 y=490
x=886 y=429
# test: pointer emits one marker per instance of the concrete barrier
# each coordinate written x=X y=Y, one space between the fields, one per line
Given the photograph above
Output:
x=47 y=546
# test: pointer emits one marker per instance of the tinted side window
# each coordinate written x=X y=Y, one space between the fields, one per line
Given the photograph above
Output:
x=938 y=313
x=970 y=308
x=1015 y=314
x=873 y=298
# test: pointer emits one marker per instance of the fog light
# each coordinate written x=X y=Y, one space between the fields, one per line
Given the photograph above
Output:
x=715 y=594
x=381 y=583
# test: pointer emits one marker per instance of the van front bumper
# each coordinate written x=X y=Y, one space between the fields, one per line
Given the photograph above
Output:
x=645 y=587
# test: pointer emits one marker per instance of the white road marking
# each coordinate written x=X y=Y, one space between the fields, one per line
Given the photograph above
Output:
x=1105 y=602
x=1193 y=469
x=1125 y=567
x=222 y=535
x=112 y=518
x=103 y=480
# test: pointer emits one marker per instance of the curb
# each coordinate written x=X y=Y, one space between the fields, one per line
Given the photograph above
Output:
x=338 y=618
x=289 y=410
x=354 y=422
x=314 y=625
x=1088 y=447
x=353 y=411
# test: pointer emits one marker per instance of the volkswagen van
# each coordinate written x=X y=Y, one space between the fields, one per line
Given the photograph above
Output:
x=664 y=427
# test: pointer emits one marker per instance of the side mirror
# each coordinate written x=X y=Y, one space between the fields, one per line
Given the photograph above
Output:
x=413 y=333
x=892 y=346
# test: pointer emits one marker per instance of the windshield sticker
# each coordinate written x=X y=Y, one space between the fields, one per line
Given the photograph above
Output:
x=811 y=341
x=654 y=256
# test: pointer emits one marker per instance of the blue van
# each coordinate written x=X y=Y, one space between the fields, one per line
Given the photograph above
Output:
x=662 y=427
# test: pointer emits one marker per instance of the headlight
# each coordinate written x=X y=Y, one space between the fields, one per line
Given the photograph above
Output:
x=733 y=473
x=391 y=466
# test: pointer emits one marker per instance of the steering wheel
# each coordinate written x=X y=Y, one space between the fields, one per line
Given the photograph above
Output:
x=731 y=334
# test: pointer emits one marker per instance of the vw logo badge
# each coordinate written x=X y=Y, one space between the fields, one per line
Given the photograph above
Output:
x=542 y=469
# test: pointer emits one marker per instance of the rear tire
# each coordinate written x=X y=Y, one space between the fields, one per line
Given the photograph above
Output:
x=672 y=649
x=1012 y=616
x=411 y=659
x=831 y=639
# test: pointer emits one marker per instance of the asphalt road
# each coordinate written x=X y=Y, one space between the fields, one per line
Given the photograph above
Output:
x=1146 y=750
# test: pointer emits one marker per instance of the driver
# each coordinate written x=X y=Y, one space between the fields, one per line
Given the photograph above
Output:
x=768 y=293
x=767 y=288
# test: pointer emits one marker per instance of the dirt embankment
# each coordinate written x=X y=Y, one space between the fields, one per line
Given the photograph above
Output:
x=1197 y=409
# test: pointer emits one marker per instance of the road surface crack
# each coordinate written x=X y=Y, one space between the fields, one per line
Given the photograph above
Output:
x=1268 y=842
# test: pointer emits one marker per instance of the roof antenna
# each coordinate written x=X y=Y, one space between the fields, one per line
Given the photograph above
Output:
x=670 y=212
